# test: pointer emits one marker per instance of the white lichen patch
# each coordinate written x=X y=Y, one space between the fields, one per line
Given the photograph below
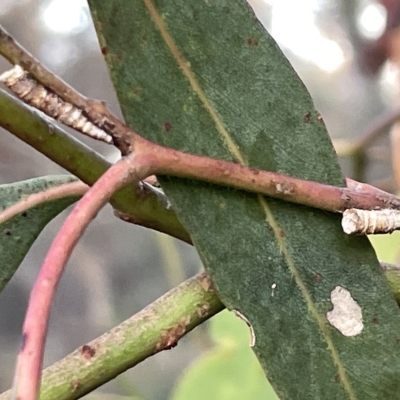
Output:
x=252 y=334
x=346 y=315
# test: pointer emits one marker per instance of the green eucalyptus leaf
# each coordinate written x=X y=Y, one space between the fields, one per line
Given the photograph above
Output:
x=205 y=77
x=18 y=233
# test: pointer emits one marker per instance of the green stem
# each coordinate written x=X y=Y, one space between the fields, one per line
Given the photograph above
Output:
x=157 y=327
x=136 y=339
x=142 y=204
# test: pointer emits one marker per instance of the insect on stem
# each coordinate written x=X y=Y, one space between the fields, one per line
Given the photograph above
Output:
x=33 y=93
x=366 y=222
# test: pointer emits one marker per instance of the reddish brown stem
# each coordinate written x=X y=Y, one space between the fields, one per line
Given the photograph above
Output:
x=95 y=110
x=313 y=194
x=365 y=188
x=29 y=362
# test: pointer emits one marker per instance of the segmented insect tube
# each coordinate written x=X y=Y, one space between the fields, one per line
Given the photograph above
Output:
x=33 y=93
x=366 y=222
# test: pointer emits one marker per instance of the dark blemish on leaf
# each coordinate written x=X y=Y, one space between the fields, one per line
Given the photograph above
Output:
x=255 y=171
x=104 y=51
x=307 y=117
x=375 y=320
x=88 y=352
x=397 y=341
x=320 y=119
x=24 y=214
x=252 y=42
x=337 y=378
x=7 y=232
x=318 y=277
x=167 y=126
x=281 y=233
x=19 y=191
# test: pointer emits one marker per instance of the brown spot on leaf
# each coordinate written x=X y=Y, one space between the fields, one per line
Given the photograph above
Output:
x=337 y=378
x=169 y=338
x=24 y=214
x=318 y=277
x=88 y=352
x=7 y=232
x=167 y=126
x=281 y=233
x=320 y=119
x=252 y=42
x=104 y=50
x=307 y=117
x=375 y=320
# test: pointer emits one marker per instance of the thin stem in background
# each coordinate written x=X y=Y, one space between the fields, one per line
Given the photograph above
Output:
x=376 y=128
x=357 y=149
